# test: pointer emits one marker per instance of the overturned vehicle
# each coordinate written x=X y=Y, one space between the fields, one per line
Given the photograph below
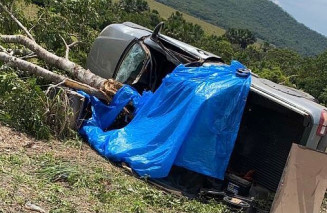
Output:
x=272 y=119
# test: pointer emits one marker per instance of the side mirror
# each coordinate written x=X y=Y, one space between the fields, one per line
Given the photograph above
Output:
x=156 y=31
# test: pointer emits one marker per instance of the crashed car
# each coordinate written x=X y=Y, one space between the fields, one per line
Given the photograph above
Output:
x=134 y=55
x=275 y=116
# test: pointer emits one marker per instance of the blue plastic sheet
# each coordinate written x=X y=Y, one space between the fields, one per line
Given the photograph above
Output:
x=192 y=121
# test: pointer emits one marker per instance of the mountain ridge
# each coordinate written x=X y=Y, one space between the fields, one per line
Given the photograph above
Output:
x=263 y=17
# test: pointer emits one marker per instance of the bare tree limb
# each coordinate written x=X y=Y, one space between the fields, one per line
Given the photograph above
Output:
x=29 y=56
x=74 y=43
x=67 y=47
x=17 y=21
x=51 y=76
x=77 y=71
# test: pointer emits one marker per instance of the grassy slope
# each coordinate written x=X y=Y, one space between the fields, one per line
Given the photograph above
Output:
x=71 y=177
x=263 y=17
x=166 y=11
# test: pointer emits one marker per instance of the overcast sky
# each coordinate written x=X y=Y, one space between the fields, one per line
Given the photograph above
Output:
x=312 y=13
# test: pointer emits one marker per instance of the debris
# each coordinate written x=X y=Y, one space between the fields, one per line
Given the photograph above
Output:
x=30 y=145
x=236 y=202
x=33 y=207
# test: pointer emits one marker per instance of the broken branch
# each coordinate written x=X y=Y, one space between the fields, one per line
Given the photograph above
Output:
x=29 y=56
x=74 y=44
x=67 y=47
x=50 y=76
x=77 y=71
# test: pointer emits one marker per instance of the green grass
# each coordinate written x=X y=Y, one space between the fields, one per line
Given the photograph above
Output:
x=30 y=10
x=61 y=177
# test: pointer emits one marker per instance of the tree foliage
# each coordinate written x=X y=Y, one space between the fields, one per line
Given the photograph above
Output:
x=243 y=37
x=133 y=6
x=178 y=28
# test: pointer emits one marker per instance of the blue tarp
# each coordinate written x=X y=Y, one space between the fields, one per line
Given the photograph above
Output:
x=192 y=121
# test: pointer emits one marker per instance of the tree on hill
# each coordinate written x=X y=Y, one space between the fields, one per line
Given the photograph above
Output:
x=177 y=27
x=133 y=5
x=243 y=37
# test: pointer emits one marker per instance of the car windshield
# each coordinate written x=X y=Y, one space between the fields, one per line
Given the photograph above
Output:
x=131 y=64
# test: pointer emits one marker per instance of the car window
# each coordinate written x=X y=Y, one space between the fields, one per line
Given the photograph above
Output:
x=131 y=64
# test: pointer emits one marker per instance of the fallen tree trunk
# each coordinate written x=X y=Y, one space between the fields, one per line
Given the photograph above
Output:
x=78 y=72
x=85 y=80
x=53 y=77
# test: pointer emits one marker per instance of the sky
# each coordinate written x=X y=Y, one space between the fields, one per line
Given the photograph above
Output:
x=312 y=13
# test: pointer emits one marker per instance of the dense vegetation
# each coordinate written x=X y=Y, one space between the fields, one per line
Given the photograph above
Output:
x=267 y=20
x=83 y=20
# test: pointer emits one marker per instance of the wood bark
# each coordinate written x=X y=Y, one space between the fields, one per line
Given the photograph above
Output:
x=77 y=71
x=53 y=77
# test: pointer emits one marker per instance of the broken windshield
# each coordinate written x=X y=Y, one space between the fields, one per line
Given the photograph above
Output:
x=131 y=64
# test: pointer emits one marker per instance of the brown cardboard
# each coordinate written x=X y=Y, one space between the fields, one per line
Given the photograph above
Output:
x=304 y=182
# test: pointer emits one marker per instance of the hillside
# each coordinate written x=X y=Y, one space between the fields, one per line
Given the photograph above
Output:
x=166 y=12
x=267 y=20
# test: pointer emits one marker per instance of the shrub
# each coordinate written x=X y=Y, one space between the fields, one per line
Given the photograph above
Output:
x=24 y=106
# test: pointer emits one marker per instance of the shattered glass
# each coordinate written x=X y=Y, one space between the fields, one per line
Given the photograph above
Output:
x=132 y=64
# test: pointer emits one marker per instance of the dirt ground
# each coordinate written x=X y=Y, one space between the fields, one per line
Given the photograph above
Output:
x=69 y=176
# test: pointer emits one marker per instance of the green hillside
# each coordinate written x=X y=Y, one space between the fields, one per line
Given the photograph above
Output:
x=166 y=12
x=267 y=20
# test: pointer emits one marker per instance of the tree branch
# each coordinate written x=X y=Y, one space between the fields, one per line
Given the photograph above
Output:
x=51 y=76
x=29 y=56
x=74 y=43
x=77 y=71
x=17 y=21
x=67 y=47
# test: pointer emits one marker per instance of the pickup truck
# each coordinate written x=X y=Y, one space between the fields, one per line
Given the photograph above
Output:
x=275 y=116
